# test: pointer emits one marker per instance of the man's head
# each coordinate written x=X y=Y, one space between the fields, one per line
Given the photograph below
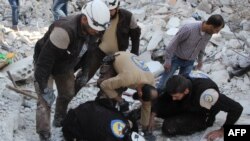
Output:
x=149 y=93
x=178 y=87
x=113 y=6
x=96 y=17
x=214 y=24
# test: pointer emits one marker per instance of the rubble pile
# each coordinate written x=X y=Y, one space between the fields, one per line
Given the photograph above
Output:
x=159 y=20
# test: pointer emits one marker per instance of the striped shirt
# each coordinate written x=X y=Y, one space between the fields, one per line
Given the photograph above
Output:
x=188 y=43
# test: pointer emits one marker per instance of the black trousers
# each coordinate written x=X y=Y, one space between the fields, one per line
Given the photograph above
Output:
x=178 y=120
x=183 y=124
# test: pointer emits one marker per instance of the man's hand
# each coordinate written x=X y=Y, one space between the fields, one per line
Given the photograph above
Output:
x=167 y=67
x=48 y=96
x=215 y=134
x=199 y=66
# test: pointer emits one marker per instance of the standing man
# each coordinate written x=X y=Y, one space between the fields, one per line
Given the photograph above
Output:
x=59 y=9
x=188 y=44
x=131 y=73
x=56 y=55
x=116 y=38
x=191 y=105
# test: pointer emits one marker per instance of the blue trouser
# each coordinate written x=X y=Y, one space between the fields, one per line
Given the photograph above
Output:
x=15 y=11
x=185 y=67
x=59 y=8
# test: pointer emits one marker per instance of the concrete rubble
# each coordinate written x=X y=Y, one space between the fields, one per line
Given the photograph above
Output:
x=160 y=20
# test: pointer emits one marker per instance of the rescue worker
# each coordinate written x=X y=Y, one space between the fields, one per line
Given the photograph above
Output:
x=190 y=105
x=131 y=73
x=84 y=123
x=123 y=27
x=57 y=54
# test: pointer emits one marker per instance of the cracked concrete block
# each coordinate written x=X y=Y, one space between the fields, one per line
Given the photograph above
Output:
x=172 y=31
x=139 y=14
x=205 y=6
x=156 y=38
x=21 y=70
x=155 y=67
x=227 y=33
x=173 y=22
x=227 y=10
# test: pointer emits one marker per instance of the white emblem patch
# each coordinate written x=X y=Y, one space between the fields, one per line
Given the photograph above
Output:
x=208 y=98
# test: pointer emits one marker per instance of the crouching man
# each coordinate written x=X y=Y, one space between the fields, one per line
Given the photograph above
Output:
x=131 y=73
x=190 y=105
x=98 y=121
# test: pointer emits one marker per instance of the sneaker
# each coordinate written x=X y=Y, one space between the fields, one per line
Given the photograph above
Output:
x=15 y=28
x=45 y=136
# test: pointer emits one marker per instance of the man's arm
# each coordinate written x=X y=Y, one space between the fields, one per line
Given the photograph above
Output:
x=54 y=47
x=134 y=33
x=233 y=109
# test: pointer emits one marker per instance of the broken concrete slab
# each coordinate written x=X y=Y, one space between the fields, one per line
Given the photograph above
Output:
x=155 y=67
x=220 y=76
x=146 y=56
x=21 y=70
x=139 y=14
x=205 y=6
x=227 y=10
x=173 y=22
x=172 y=31
x=9 y=110
x=227 y=33
x=156 y=38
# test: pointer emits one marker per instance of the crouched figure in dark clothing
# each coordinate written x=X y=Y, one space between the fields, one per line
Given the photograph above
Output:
x=189 y=105
x=98 y=121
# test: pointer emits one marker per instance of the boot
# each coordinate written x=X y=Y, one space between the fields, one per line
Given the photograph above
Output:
x=45 y=136
x=57 y=122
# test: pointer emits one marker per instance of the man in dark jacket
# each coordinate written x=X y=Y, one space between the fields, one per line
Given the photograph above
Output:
x=116 y=38
x=56 y=55
x=84 y=123
x=190 y=105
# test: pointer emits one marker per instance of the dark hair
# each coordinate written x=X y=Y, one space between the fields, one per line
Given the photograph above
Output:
x=177 y=84
x=216 y=20
x=146 y=92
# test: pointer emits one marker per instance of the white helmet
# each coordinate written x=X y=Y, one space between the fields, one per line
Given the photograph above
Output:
x=112 y=4
x=98 y=15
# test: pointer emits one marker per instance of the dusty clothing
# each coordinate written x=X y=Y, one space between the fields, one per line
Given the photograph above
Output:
x=188 y=43
x=83 y=122
x=109 y=40
x=126 y=29
x=131 y=72
x=56 y=54
x=52 y=58
x=65 y=86
x=180 y=113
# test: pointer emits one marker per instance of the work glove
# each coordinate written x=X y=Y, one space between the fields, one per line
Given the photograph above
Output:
x=48 y=96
